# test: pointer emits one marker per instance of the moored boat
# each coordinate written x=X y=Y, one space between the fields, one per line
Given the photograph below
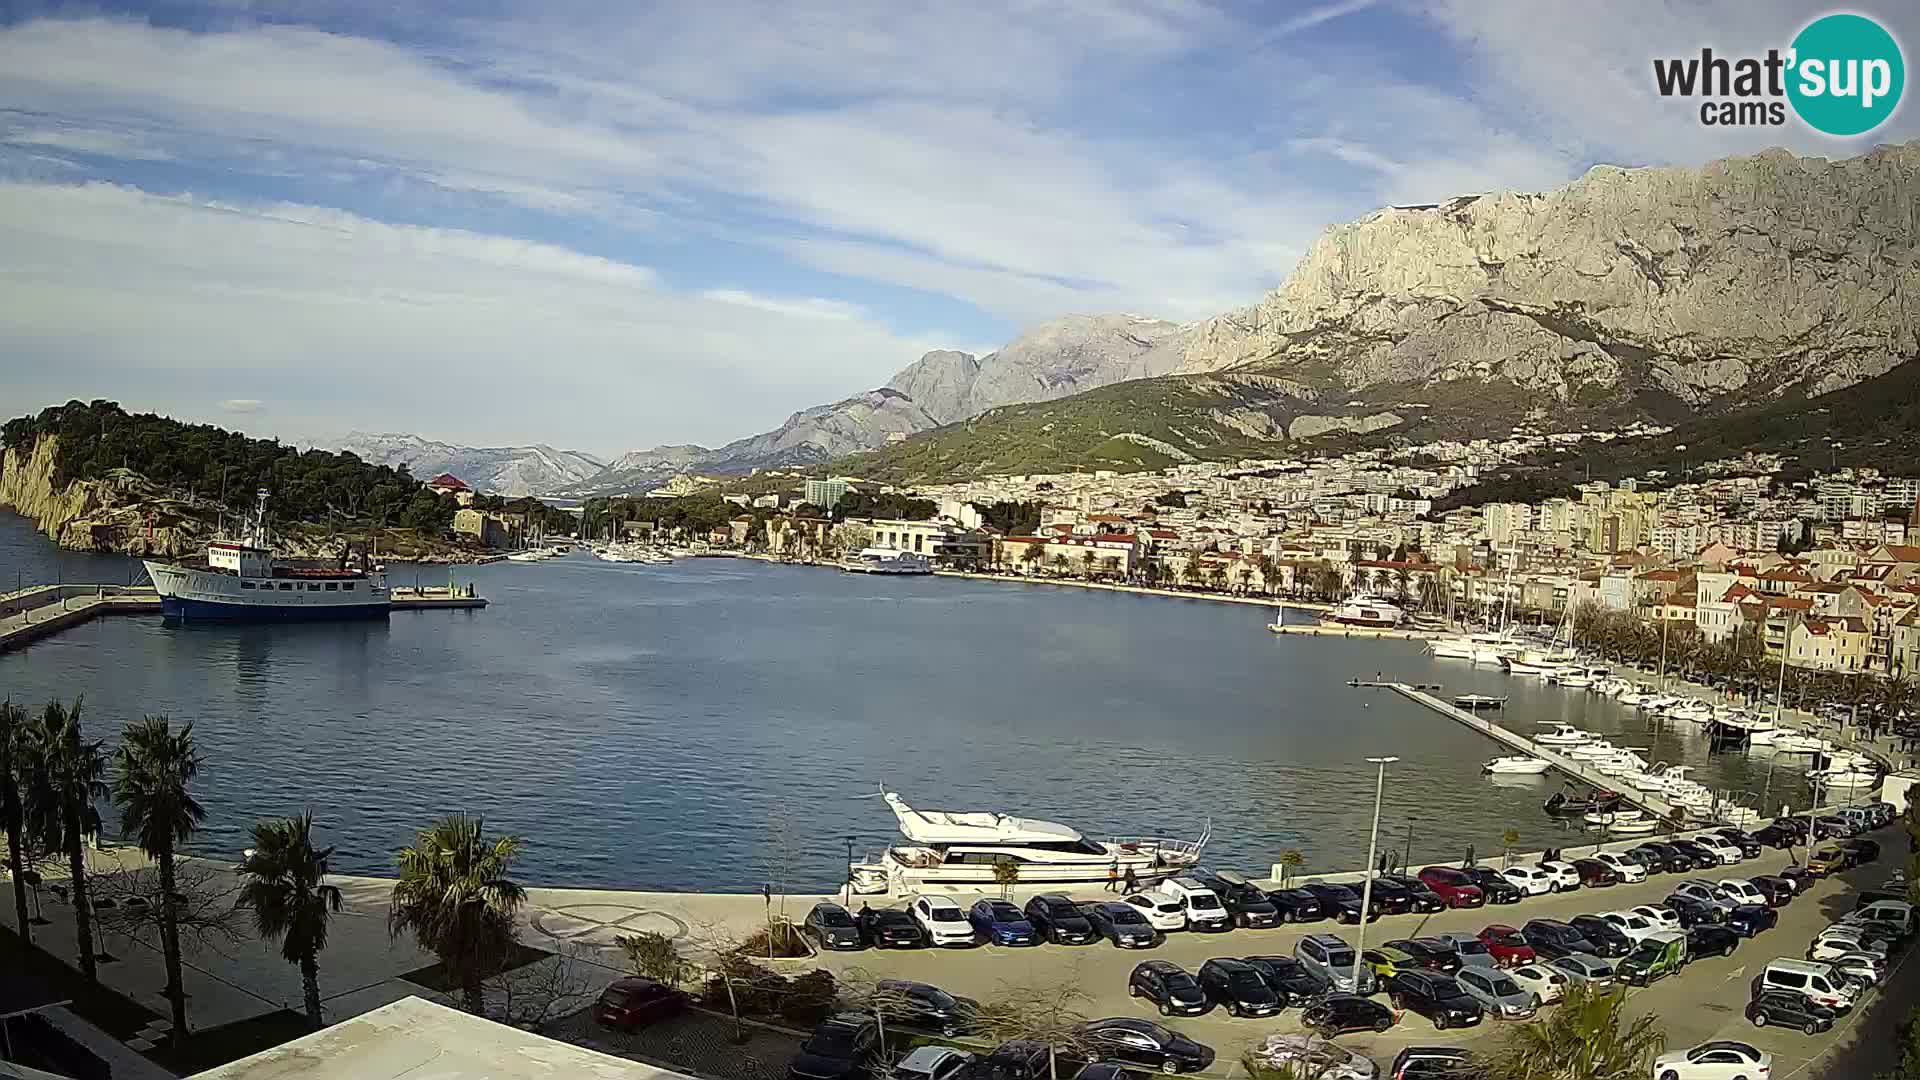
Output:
x=1366 y=610
x=886 y=560
x=1517 y=765
x=240 y=580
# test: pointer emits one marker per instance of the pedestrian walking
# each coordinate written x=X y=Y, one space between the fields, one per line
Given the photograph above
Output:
x=1113 y=876
x=1130 y=881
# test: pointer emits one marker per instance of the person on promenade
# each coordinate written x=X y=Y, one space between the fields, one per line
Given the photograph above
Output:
x=1113 y=876
x=1130 y=881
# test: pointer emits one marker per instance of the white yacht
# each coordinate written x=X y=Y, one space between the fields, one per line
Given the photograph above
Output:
x=886 y=560
x=1365 y=609
x=1563 y=735
x=1519 y=764
x=947 y=848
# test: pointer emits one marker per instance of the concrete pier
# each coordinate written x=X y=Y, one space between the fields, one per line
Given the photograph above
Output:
x=1322 y=630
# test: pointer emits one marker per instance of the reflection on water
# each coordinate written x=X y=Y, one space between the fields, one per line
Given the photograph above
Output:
x=705 y=724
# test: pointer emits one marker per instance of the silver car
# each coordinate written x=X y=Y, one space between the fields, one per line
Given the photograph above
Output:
x=1330 y=957
x=1497 y=992
x=932 y=1063
x=1584 y=968
x=1472 y=951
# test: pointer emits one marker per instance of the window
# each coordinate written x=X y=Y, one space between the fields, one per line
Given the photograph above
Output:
x=246 y=584
x=347 y=587
x=286 y=586
x=331 y=587
x=313 y=586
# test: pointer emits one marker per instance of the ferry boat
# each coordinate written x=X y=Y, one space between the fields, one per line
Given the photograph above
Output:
x=963 y=848
x=1363 y=609
x=886 y=560
x=240 y=580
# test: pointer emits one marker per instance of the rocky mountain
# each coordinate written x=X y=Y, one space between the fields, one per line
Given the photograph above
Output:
x=501 y=470
x=1630 y=293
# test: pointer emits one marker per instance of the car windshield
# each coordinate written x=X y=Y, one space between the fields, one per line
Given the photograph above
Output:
x=1126 y=916
x=1447 y=988
x=936 y=999
x=1648 y=953
x=836 y=917
x=1180 y=981
x=944 y=914
x=1246 y=980
x=833 y=1042
x=1509 y=937
x=1006 y=913
x=1203 y=901
x=1471 y=947
x=1340 y=958
x=893 y=918
x=1505 y=986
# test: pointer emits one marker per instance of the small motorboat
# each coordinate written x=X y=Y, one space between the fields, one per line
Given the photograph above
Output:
x=1559 y=805
x=1622 y=821
x=1517 y=764
x=1562 y=735
x=1475 y=702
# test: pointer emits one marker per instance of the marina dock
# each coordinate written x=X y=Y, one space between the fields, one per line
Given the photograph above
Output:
x=1323 y=630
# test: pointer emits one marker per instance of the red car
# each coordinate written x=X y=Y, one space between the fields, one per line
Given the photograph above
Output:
x=633 y=1001
x=1506 y=945
x=1453 y=886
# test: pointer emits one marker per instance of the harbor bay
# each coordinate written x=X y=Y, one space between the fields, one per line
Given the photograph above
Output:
x=712 y=724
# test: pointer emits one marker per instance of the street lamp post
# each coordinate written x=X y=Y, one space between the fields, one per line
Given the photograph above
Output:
x=848 y=902
x=1373 y=840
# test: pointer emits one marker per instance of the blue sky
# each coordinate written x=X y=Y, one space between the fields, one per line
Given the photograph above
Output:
x=610 y=226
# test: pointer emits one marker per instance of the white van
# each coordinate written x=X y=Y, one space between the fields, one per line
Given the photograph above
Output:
x=1819 y=983
x=1895 y=913
x=1201 y=905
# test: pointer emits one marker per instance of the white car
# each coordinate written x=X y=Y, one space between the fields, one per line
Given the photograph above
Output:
x=1723 y=849
x=1634 y=925
x=1848 y=939
x=1742 y=890
x=942 y=919
x=1530 y=880
x=1545 y=983
x=1865 y=967
x=1161 y=912
x=1630 y=869
x=1565 y=875
x=1319 y=1057
x=1659 y=916
x=1722 y=1059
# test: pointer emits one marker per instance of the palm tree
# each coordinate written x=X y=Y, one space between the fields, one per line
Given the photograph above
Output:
x=1585 y=1037
x=285 y=886
x=154 y=766
x=456 y=899
x=1087 y=558
x=1292 y=859
x=63 y=774
x=13 y=743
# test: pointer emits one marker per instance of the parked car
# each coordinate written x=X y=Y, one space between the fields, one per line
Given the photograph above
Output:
x=1386 y=961
x=1143 y=1042
x=1392 y=898
x=1160 y=912
x=1432 y=953
x=1546 y=983
x=1498 y=889
x=1471 y=950
x=1552 y=938
x=1508 y=945
x=1629 y=868
x=1863 y=852
x=1331 y=958
x=1661 y=857
x=1289 y=978
x=1595 y=874
x=1584 y=968
x=1431 y=1063
x=1341 y=902
x=1706 y=892
x=1865 y=969
x=1817 y=982
x=1246 y=905
x=1311 y=1055
x=1607 y=939
x=1564 y=873
x=933 y=1063
x=844 y=1045
x=1788 y=1009
x=1437 y=997
x=1828 y=859
x=1710 y=940
x=1531 y=880
x=1748 y=843
x=1777 y=891
x=925 y=1006
x=1000 y=922
x=890 y=928
x=1718 y=1060
x=1664 y=918
x=1692 y=912
x=1701 y=856
x=1019 y=1059
x=1830 y=826
x=1202 y=905
x=1238 y=987
x=1425 y=899
x=1777 y=836
x=1897 y=915
x=1497 y=994
x=1169 y=987
x=1296 y=905
x=632 y=1001
x=1801 y=878
x=942 y=919
x=1121 y=924
x=1653 y=959
x=1748 y=920
x=1454 y=887
x=832 y=927
x=1840 y=939
x=1725 y=851
x=1058 y=919
x=1337 y=1014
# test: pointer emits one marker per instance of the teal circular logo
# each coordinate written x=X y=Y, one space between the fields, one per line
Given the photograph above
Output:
x=1847 y=74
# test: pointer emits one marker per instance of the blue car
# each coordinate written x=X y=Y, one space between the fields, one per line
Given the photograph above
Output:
x=1001 y=923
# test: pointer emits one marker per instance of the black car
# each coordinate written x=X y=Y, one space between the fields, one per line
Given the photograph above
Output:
x=1874 y=896
x=1435 y=996
x=1608 y=940
x=1552 y=939
x=1245 y=904
x=1289 y=978
x=1863 y=852
x=1143 y=1042
x=1595 y=874
x=1748 y=843
x=1778 y=836
x=832 y=927
x=1696 y=853
x=1337 y=1014
x=1800 y=876
x=1498 y=889
x=1389 y=897
x=1660 y=857
x=1296 y=905
x=1789 y=1009
x=1432 y=953
x=1748 y=920
x=1058 y=919
x=1121 y=924
x=1425 y=900
x=921 y=1005
x=890 y=928
x=844 y=1045
x=1108 y=1070
x=1238 y=987
x=1169 y=987
x=1343 y=903
x=1693 y=912
x=1432 y=1063
x=1708 y=940
x=1778 y=890
x=1021 y=1059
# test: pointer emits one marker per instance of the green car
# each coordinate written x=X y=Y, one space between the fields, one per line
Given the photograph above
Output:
x=1655 y=957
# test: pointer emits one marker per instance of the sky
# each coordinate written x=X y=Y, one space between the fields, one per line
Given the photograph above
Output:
x=609 y=226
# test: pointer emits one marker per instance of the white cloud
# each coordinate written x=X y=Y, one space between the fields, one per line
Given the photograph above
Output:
x=242 y=405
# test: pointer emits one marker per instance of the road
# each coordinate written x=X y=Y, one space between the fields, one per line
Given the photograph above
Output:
x=1705 y=1001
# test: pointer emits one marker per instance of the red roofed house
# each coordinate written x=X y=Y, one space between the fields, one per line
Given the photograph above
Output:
x=1831 y=644
x=449 y=484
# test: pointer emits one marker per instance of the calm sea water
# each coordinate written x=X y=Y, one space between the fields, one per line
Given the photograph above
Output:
x=715 y=723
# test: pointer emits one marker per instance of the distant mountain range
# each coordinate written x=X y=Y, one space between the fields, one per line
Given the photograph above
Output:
x=501 y=470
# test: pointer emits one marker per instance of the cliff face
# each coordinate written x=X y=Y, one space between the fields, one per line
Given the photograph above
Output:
x=115 y=514
x=1056 y=359
x=1628 y=287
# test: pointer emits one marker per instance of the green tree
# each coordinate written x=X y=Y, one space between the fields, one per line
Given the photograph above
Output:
x=456 y=899
x=13 y=743
x=1006 y=874
x=284 y=885
x=1586 y=1037
x=1087 y=559
x=1033 y=554
x=63 y=785
x=1291 y=860
x=154 y=768
x=1060 y=563
x=1507 y=840
x=1112 y=565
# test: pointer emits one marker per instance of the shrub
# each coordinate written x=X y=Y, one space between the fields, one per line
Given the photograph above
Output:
x=655 y=956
